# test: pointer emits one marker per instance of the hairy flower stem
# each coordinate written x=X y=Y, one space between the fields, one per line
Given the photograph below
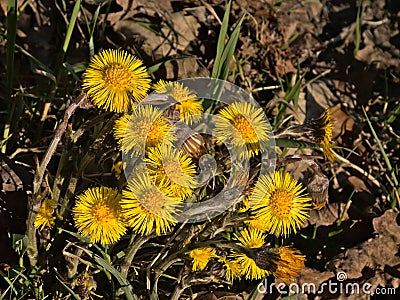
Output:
x=34 y=203
x=134 y=246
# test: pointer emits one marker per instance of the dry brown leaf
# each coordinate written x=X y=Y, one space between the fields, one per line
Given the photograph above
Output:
x=318 y=98
x=377 y=253
x=221 y=295
x=359 y=184
x=327 y=215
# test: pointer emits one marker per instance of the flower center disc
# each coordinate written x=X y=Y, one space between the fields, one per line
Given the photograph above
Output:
x=103 y=213
x=245 y=129
x=153 y=202
x=154 y=134
x=117 y=77
x=281 y=203
x=173 y=170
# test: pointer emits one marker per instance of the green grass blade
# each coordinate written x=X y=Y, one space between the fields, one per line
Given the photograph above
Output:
x=91 y=32
x=125 y=284
x=221 y=42
x=229 y=51
x=294 y=92
x=67 y=39
x=71 y=26
x=224 y=55
x=46 y=70
x=72 y=293
x=91 y=26
x=391 y=170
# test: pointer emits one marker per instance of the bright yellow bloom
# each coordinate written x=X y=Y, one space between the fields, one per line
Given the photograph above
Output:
x=114 y=79
x=326 y=142
x=283 y=262
x=44 y=216
x=250 y=238
x=278 y=204
x=118 y=168
x=189 y=106
x=243 y=206
x=146 y=206
x=160 y=87
x=170 y=166
x=243 y=124
x=146 y=127
x=288 y=261
x=97 y=213
x=201 y=257
x=320 y=131
x=233 y=269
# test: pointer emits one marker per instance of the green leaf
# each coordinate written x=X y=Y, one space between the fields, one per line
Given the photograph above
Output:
x=125 y=284
x=20 y=243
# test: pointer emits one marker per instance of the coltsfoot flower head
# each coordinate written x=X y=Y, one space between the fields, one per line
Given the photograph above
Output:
x=45 y=216
x=189 y=106
x=118 y=168
x=279 y=204
x=97 y=214
x=289 y=262
x=250 y=238
x=147 y=207
x=146 y=127
x=115 y=79
x=283 y=262
x=233 y=269
x=242 y=123
x=201 y=257
x=168 y=165
x=320 y=131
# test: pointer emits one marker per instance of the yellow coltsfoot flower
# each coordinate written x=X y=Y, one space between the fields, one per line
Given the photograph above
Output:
x=288 y=261
x=146 y=127
x=115 y=80
x=147 y=207
x=189 y=106
x=168 y=165
x=233 y=269
x=97 y=214
x=249 y=238
x=243 y=124
x=279 y=204
x=201 y=257
x=44 y=217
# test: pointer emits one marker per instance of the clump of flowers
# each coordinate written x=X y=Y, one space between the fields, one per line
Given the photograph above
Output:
x=163 y=154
